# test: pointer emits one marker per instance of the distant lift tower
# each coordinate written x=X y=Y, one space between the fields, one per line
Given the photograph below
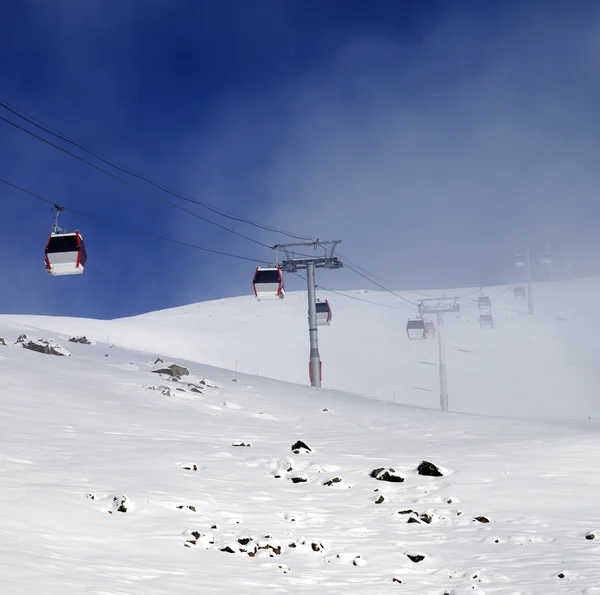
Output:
x=440 y=306
x=525 y=261
x=308 y=263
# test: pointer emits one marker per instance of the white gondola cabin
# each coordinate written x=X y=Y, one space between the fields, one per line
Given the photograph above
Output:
x=519 y=292
x=268 y=283
x=484 y=302
x=486 y=321
x=429 y=328
x=65 y=254
x=415 y=329
x=323 y=313
x=546 y=258
x=519 y=260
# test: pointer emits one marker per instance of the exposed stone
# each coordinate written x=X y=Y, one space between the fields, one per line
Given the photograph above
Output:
x=2 y=341
x=429 y=469
x=158 y=360
x=407 y=511
x=300 y=445
x=380 y=500
x=83 y=340
x=332 y=481
x=192 y=467
x=227 y=549
x=590 y=536
x=45 y=347
x=299 y=479
x=241 y=444
x=386 y=474
x=426 y=518
x=396 y=580
x=413 y=519
x=22 y=338
x=174 y=370
x=481 y=519
x=416 y=558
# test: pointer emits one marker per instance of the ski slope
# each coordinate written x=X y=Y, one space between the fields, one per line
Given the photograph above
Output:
x=108 y=471
x=527 y=366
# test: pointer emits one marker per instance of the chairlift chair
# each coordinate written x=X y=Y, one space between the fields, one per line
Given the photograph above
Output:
x=268 y=283
x=415 y=329
x=486 y=321
x=519 y=292
x=323 y=313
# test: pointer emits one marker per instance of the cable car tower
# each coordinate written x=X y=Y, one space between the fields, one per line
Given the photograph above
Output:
x=309 y=264
x=525 y=261
x=440 y=306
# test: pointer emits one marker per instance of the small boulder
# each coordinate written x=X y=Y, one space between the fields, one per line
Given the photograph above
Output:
x=2 y=341
x=380 y=500
x=83 y=340
x=333 y=481
x=386 y=474
x=590 y=536
x=429 y=469
x=416 y=558
x=45 y=347
x=299 y=479
x=300 y=445
x=481 y=519
x=174 y=370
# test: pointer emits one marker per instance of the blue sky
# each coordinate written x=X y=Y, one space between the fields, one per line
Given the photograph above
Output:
x=433 y=138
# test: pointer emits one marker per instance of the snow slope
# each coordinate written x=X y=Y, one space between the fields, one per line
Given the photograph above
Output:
x=80 y=433
x=528 y=366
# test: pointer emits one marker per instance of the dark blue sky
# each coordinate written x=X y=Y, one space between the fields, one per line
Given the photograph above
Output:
x=434 y=138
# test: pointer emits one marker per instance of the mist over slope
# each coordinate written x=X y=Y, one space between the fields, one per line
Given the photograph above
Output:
x=534 y=366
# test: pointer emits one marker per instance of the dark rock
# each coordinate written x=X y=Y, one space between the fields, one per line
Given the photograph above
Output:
x=426 y=518
x=481 y=519
x=396 y=580
x=244 y=540
x=333 y=480
x=380 y=500
x=590 y=536
x=2 y=341
x=299 y=479
x=241 y=444
x=429 y=469
x=158 y=360
x=227 y=549
x=22 y=338
x=301 y=445
x=83 y=340
x=45 y=347
x=412 y=519
x=174 y=370
x=120 y=503
x=386 y=474
x=560 y=575
x=316 y=547
x=407 y=511
x=416 y=558
x=192 y=467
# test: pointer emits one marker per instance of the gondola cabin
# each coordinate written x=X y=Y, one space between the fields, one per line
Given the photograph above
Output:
x=323 y=313
x=519 y=260
x=546 y=258
x=484 y=301
x=65 y=254
x=268 y=283
x=415 y=329
x=519 y=292
x=429 y=328
x=486 y=321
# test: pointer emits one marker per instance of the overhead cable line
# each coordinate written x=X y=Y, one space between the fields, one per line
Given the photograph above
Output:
x=132 y=185
x=381 y=286
x=128 y=228
x=40 y=125
x=352 y=297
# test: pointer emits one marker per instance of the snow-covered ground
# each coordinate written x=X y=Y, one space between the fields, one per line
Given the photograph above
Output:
x=527 y=366
x=117 y=480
